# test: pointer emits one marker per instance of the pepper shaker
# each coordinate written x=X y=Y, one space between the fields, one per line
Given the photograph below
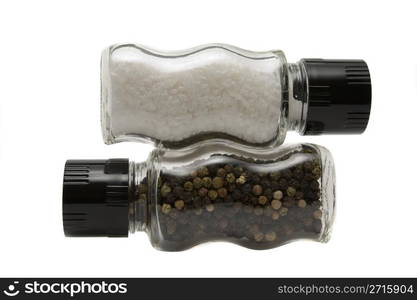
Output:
x=256 y=199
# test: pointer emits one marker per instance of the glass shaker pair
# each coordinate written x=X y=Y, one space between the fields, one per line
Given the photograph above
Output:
x=217 y=115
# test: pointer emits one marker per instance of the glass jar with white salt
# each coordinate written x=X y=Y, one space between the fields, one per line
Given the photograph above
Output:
x=220 y=92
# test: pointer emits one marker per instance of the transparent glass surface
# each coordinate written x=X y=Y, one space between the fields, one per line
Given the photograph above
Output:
x=257 y=200
x=181 y=98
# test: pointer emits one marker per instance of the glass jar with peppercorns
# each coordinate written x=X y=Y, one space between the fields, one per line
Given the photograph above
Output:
x=259 y=200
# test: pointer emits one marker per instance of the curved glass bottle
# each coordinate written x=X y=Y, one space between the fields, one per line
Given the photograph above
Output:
x=222 y=92
x=258 y=200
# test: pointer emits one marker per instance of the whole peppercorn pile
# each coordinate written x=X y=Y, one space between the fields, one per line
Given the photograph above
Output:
x=230 y=199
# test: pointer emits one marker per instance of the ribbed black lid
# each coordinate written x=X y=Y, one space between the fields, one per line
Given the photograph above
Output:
x=95 y=197
x=339 y=96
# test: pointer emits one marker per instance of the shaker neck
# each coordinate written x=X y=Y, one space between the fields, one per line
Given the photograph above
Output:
x=297 y=97
x=138 y=196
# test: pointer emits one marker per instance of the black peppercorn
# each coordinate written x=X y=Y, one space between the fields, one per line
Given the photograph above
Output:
x=241 y=179
x=308 y=166
x=221 y=172
x=222 y=192
x=262 y=200
x=210 y=207
x=288 y=201
x=291 y=191
x=188 y=186
x=299 y=195
x=309 y=177
x=203 y=172
x=258 y=236
x=212 y=194
x=198 y=211
x=257 y=189
x=165 y=190
x=228 y=168
x=268 y=193
x=179 y=204
x=301 y=203
x=275 y=175
x=317 y=214
x=276 y=204
x=230 y=178
x=166 y=208
x=202 y=192
x=217 y=182
x=283 y=211
x=275 y=215
x=278 y=195
x=197 y=183
x=316 y=171
x=270 y=236
x=207 y=182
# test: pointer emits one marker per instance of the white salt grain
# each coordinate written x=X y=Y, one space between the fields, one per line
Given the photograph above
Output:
x=211 y=90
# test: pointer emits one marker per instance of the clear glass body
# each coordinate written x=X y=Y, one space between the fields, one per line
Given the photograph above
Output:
x=215 y=91
x=258 y=200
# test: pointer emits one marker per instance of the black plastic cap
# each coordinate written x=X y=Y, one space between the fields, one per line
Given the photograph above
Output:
x=95 y=198
x=339 y=96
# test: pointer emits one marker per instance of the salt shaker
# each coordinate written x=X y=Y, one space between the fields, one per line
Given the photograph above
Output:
x=220 y=92
x=259 y=200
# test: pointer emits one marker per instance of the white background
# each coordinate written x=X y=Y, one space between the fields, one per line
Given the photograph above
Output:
x=49 y=112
